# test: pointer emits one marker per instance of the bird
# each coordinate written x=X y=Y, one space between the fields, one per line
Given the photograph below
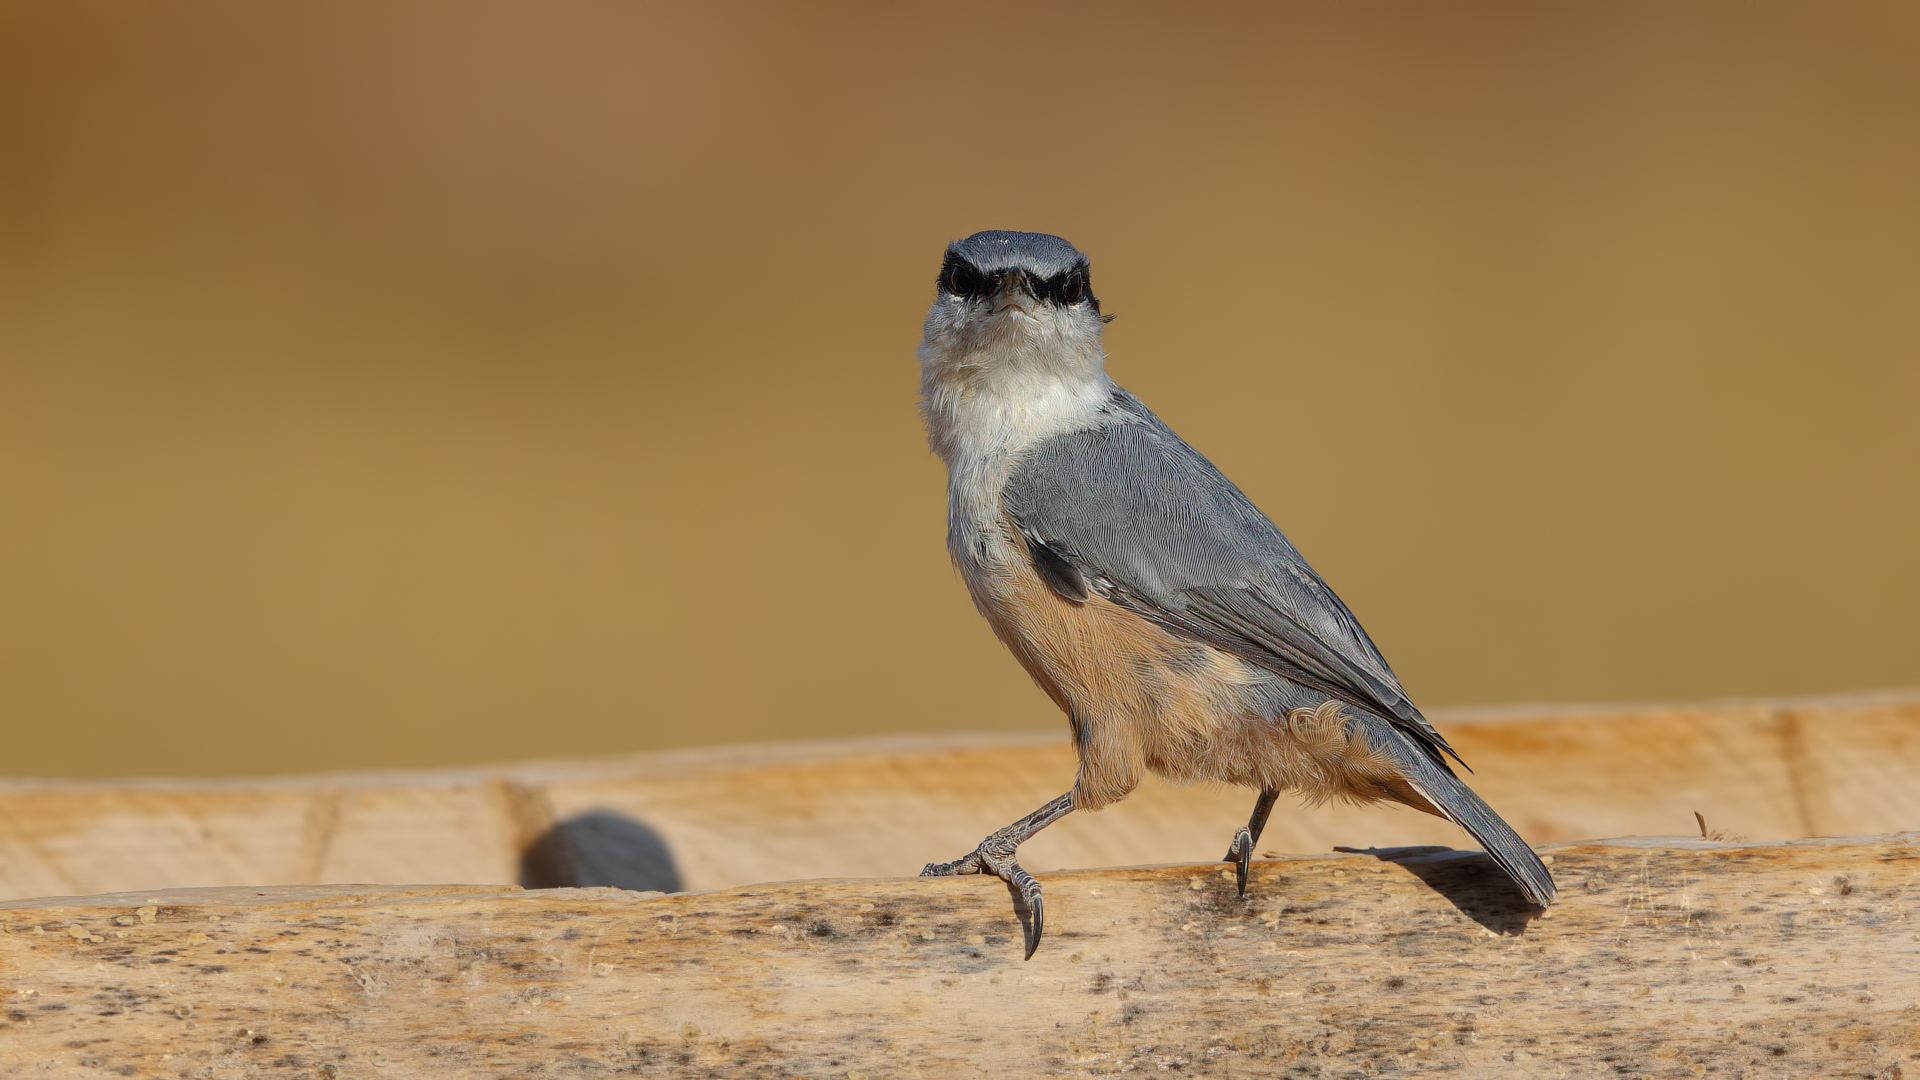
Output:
x=1175 y=625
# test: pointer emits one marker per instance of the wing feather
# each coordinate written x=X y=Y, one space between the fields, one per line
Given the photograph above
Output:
x=1142 y=518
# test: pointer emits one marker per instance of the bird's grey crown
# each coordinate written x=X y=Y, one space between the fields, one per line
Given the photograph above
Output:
x=1036 y=253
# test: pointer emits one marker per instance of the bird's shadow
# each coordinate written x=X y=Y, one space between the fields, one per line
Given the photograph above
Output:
x=1468 y=880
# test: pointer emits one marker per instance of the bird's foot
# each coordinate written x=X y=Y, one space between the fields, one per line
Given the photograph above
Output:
x=1240 y=854
x=998 y=860
x=970 y=863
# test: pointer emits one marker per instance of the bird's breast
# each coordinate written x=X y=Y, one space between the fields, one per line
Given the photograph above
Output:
x=1134 y=692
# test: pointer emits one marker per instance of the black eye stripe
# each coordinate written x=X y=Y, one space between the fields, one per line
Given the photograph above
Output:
x=1068 y=288
x=959 y=277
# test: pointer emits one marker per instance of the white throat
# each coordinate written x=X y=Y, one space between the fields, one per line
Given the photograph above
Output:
x=993 y=387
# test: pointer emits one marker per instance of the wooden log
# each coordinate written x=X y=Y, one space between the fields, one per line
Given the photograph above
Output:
x=719 y=817
x=1665 y=959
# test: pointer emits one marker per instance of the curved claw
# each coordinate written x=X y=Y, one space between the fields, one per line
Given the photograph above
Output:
x=1039 y=913
x=1241 y=854
x=1011 y=872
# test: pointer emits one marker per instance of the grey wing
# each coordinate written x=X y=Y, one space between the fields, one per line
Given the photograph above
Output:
x=1131 y=512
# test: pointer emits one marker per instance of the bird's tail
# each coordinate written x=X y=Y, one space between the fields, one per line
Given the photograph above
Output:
x=1453 y=800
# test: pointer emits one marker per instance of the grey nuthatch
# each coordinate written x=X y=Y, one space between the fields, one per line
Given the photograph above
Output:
x=1170 y=619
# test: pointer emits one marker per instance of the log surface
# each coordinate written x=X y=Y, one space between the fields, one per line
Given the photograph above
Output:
x=725 y=816
x=1665 y=958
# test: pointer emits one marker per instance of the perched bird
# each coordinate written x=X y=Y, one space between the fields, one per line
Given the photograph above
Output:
x=1170 y=619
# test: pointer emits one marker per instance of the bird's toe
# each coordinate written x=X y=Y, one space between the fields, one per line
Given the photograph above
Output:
x=970 y=863
x=1241 y=855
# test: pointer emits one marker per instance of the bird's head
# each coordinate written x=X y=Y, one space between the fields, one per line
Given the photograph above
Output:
x=1013 y=299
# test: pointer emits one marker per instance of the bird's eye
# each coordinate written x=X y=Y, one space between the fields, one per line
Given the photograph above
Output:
x=962 y=280
x=1071 y=289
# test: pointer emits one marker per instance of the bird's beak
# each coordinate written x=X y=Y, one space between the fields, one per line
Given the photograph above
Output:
x=1013 y=293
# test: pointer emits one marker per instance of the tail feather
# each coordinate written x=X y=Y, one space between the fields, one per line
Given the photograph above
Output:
x=1457 y=803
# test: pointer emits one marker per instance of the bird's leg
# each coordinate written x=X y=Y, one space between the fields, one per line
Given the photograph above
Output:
x=995 y=856
x=1242 y=850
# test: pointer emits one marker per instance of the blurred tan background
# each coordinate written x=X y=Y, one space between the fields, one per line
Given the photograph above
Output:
x=407 y=384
